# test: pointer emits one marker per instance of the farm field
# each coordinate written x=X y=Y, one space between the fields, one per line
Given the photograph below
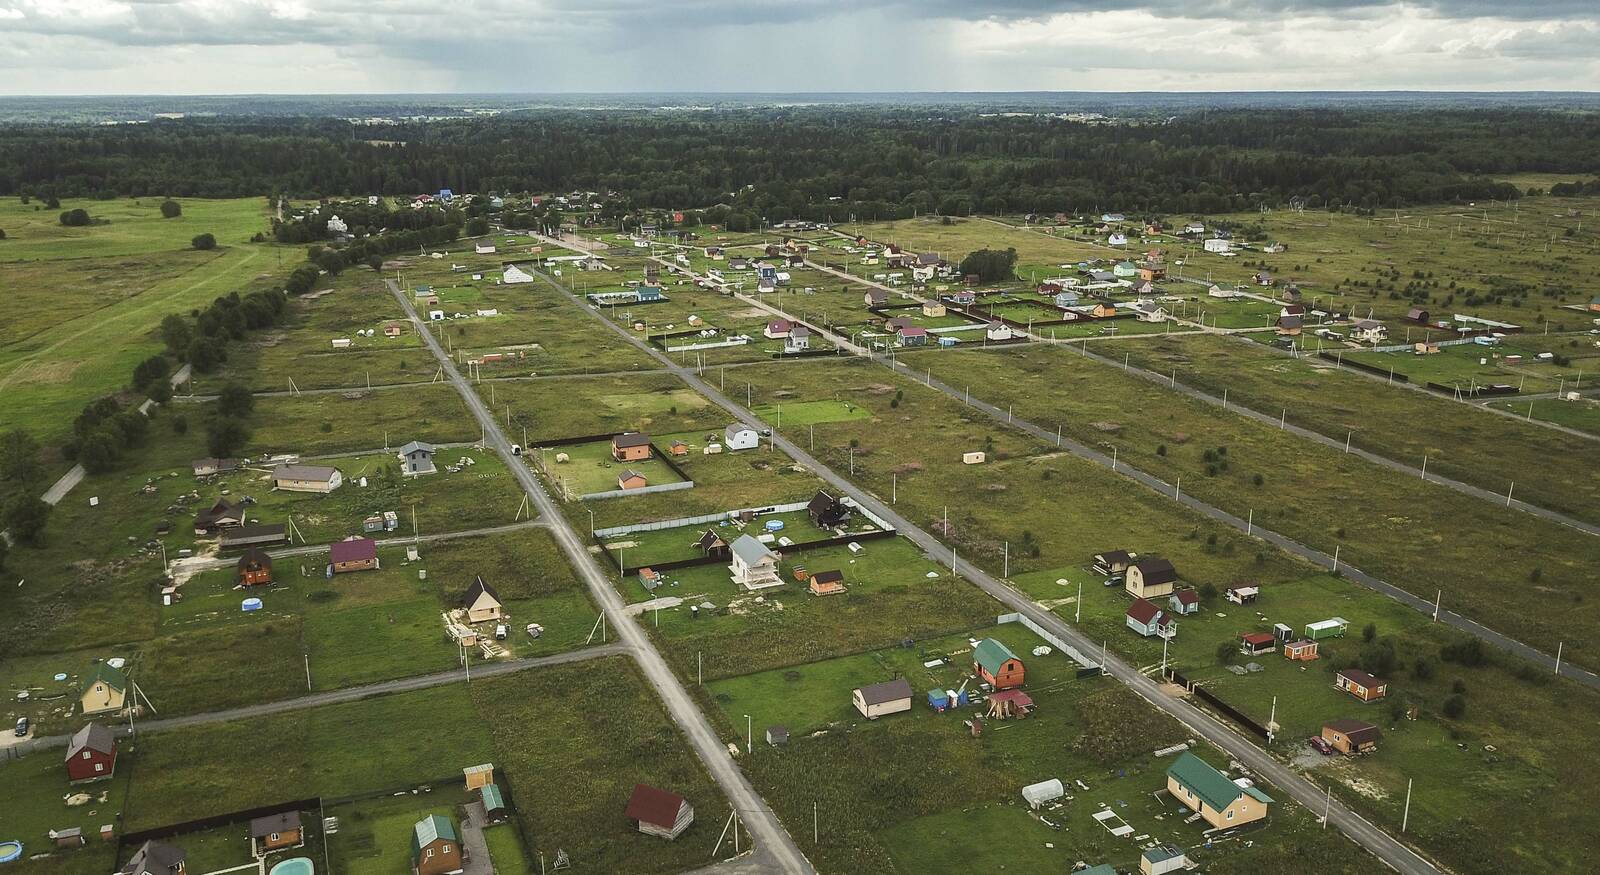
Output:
x=1315 y=494
x=1460 y=443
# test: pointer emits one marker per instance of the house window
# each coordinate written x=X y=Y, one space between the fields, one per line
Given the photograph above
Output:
x=99 y=767
x=428 y=855
x=86 y=754
x=444 y=849
x=273 y=837
x=1230 y=814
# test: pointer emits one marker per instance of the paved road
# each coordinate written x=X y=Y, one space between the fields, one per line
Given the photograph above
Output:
x=1375 y=840
x=770 y=836
x=285 y=393
x=347 y=694
x=1471 y=627
x=1498 y=499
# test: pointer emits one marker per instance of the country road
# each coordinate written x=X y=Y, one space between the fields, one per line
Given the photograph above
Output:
x=759 y=820
x=206 y=563
x=346 y=694
x=1379 y=843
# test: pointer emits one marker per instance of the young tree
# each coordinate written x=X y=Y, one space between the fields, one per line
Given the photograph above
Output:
x=152 y=370
x=19 y=458
x=171 y=209
x=176 y=333
x=25 y=517
x=225 y=436
x=204 y=241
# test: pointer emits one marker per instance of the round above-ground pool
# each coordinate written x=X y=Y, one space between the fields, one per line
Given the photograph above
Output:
x=12 y=850
x=295 y=866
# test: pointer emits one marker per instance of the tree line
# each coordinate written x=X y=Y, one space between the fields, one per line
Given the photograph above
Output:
x=832 y=162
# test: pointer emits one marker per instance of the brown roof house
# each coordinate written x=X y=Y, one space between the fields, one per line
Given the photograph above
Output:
x=1361 y=685
x=435 y=847
x=631 y=479
x=1150 y=578
x=481 y=602
x=155 y=858
x=91 y=754
x=1112 y=561
x=659 y=812
x=222 y=515
x=255 y=567
x=353 y=554
x=827 y=512
x=876 y=700
x=276 y=831
x=826 y=583
x=630 y=446
x=307 y=478
x=1351 y=737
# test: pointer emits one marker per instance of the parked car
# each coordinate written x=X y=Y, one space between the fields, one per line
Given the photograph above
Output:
x=22 y=727
x=1322 y=746
x=500 y=632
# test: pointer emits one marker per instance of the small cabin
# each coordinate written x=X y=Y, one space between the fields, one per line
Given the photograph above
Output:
x=877 y=700
x=1351 y=737
x=996 y=665
x=1304 y=650
x=1361 y=685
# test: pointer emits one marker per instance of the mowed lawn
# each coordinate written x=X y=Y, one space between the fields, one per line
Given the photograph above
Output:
x=121 y=279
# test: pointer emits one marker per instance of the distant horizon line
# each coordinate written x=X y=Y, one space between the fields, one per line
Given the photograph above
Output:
x=704 y=93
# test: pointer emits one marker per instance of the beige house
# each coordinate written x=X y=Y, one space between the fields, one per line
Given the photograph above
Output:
x=876 y=700
x=753 y=566
x=481 y=602
x=306 y=478
x=1208 y=792
x=104 y=690
x=1150 y=578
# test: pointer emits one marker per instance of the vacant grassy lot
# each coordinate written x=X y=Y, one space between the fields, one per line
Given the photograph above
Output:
x=359 y=420
x=1472 y=365
x=1485 y=450
x=1583 y=415
x=1387 y=525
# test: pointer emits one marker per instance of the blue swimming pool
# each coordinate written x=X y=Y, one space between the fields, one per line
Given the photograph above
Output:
x=295 y=866
x=10 y=851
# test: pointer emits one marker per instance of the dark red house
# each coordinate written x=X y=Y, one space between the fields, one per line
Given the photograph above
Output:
x=92 y=754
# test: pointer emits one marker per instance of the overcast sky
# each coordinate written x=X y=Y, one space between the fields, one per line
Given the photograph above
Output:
x=364 y=46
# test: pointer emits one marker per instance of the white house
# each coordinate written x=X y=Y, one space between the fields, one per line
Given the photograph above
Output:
x=1369 y=331
x=997 y=330
x=1117 y=240
x=1149 y=311
x=1217 y=291
x=799 y=339
x=514 y=275
x=876 y=700
x=1218 y=245
x=1194 y=228
x=336 y=225
x=485 y=248
x=739 y=436
x=753 y=566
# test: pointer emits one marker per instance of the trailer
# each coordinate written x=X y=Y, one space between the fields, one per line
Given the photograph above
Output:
x=1334 y=627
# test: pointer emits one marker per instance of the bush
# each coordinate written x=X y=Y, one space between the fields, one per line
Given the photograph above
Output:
x=171 y=209
x=1422 y=668
x=179 y=423
x=204 y=242
x=1369 y=633
x=1225 y=652
x=224 y=437
x=235 y=400
x=1468 y=652
x=1454 y=707
x=75 y=218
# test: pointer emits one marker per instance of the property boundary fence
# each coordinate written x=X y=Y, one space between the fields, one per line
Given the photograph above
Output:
x=1087 y=666
x=643 y=490
x=1363 y=366
x=1216 y=702
x=161 y=832
x=1473 y=391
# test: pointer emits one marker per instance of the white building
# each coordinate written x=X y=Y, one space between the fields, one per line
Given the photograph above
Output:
x=740 y=437
x=1117 y=240
x=1218 y=245
x=753 y=566
x=336 y=225
x=483 y=248
x=514 y=275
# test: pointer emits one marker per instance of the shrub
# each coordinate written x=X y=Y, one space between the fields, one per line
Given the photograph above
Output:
x=1467 y=651
x=1369 y=632
x=1454 y=707
x=204 y=242
x=75 y=218
x=171 y=209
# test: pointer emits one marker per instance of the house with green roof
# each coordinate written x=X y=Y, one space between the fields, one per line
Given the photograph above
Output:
x=103 y=691
x=1223 y=803
x=494 y=803
x=435 y=847
x=996 y=665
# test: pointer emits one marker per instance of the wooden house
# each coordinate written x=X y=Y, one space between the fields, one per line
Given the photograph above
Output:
x=932 y=309
x=254 y=567
x=91 y=754
x=876 y=700
x=156 y=858
x=678 y=448
x=826 y=583
x=1351 y=737
x=1241 y=595
x=827 y=512
x=659 y=812
x=353 y=554
x=1112 y=561
x=1290 y=325
x=481 y=602
x=1257 y=643
x=1151 y=578
x=209 y=465
x=103 y=691
x=435 y=847
x=996 y=665
x=631 y=479
x=876 y=297
x=307 y=478
x=630 y=446
x=254 y=536
x=1209 y=793
x=1150 y=621
x=912 y=335
x=1304 y=650
x=711 y=544
x=222 y=515
x=1361 y=685
x=276 y=831
x=1184 y=602
x=753 y=566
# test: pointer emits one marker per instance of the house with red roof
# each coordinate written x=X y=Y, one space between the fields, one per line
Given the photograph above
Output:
x=659 y=812
x=353 y=554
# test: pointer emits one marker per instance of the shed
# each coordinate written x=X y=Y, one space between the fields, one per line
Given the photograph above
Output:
x=478 y=776
x=1184 y=602
x=1162 y=859
x=254 y=567
x=273 y=831
x=1303 y=650
x=888 y=697
x=494 y=803
x=1256 y=643
x=777 y=736
x=1044 y=791
x=1241 y=595
x=631 y=479
x=829 y=582
x=659 y=812
x=1361 y=685
x=1331 y=628
x=254 y=536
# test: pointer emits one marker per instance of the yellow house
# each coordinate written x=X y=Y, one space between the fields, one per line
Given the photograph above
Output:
x=1203 y=789
x=1150 y=578
x=104 y=690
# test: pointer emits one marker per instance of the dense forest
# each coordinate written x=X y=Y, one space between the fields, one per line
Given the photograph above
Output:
x=830 y=162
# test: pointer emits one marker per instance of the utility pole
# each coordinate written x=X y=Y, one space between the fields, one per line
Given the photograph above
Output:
x=1405 y=817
